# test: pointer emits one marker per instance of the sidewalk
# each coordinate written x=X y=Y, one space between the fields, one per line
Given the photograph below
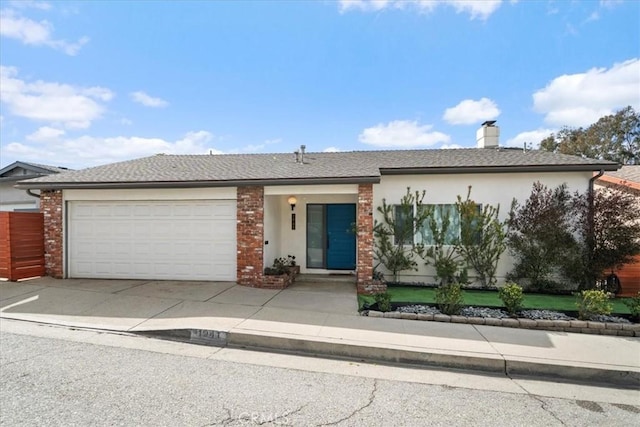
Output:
x=318 y=318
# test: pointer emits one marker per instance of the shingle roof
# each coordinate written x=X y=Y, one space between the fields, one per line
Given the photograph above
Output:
x=343 y=167
x=627 y=173
x=34 y=169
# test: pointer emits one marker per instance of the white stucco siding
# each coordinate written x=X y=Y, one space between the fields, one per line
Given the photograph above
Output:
x=273 y=207
x=14 y=199
x=495 y=189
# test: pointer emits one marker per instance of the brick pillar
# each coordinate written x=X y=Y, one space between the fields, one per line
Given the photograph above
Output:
x=51 y=208
x=364 y=271
x=250 y=236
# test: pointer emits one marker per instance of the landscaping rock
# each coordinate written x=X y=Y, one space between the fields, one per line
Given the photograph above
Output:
x=611 y=319
x=544 y=315
x=422 y=316
x=483 y=312
x=476 y=320
x=373 y=313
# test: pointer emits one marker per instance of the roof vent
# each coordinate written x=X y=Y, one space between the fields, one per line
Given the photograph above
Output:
x=488 y=136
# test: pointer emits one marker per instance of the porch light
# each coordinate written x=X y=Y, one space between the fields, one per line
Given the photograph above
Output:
x=292 y=201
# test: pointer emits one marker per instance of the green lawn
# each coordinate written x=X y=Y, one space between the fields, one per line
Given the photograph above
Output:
x=490 y=299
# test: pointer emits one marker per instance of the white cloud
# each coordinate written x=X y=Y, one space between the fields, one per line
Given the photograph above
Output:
x=532 y=136
x=331 y=150
x=469 y=112
x=475 y=8
x=30 y=32
x=45 y=134
x=450 y=146
x=147 y=100
x=581 y=99
x=74 y=107
x=591 y=18
x=89 y=150
x=30 y=4
x=610 y=3
x=402 y=134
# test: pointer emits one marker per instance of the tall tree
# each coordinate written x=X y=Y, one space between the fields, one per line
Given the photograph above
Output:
x=614 y=137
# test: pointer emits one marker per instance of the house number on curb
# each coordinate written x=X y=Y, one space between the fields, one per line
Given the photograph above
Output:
x=209 y=337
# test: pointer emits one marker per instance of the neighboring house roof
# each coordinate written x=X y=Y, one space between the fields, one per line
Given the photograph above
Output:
x=29 y=170
x=282 y=169
x=628 y=176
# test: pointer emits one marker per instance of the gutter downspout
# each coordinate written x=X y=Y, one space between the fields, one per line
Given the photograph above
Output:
x=590 y=226
x=32 y=194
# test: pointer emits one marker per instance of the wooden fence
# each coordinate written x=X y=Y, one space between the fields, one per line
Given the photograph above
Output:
x=21 y=245
x=629 y=276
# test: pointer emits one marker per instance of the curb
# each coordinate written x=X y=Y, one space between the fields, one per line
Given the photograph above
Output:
x=496 y=364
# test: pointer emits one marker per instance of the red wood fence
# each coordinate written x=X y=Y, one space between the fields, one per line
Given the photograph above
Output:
x=629 y=276
x=21 y=245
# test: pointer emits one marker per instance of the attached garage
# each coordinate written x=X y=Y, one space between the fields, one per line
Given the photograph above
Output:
x=167 y=239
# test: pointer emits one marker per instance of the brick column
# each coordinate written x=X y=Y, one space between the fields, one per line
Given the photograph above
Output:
x=364 y=273
x=250 y=235
x=51 y=208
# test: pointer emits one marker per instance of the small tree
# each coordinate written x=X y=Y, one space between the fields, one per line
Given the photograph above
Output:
x=482 y=238
x=608 y=225
x=539 y=235
x=441 y=253
x=395 y=246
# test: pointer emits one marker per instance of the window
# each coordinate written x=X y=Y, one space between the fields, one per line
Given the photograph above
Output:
x=449 y=231
x=403 y=232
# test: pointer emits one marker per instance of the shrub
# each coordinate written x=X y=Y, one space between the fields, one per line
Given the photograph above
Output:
x=384 y=301
x=449 y=298
x=512 y=297
x=591 y=303
x=394 y=246
x=634 y=306
x=540 y=236
x=482 y=238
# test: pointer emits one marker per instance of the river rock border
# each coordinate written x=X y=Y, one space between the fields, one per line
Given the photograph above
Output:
x=575 y=326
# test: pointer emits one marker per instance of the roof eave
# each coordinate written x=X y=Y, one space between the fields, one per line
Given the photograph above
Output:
x=194 y=184
x=498 y=169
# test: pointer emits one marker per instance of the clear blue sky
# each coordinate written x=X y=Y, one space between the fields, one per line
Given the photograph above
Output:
x=88 y=83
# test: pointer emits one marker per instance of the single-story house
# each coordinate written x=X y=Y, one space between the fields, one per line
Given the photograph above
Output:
x=12 y=199
x=627 y=178
x=226 y=217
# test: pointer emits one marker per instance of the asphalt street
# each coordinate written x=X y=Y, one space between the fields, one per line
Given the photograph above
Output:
x=61 y=378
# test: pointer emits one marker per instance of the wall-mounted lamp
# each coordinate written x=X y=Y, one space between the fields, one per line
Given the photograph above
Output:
x=292 y=201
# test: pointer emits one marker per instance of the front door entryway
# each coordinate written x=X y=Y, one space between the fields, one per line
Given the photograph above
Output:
x=331 y=238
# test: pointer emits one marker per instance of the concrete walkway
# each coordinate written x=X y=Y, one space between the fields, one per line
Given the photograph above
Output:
x=317 y=318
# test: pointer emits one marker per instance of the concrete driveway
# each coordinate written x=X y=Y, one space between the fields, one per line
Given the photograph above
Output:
x=130 y=305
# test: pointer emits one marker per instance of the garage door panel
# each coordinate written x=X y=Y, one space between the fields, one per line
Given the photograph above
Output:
x=185 y=240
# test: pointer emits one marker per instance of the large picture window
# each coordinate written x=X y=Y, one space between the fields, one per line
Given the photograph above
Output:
x=447 y=222
x=403 y=228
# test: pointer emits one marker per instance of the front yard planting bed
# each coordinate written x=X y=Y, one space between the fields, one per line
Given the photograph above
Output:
x=484 y=307
x=488 y=298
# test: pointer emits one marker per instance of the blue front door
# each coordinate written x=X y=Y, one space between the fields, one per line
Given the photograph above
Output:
x=341 y=238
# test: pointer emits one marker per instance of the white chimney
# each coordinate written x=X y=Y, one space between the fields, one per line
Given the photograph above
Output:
x=488 y=136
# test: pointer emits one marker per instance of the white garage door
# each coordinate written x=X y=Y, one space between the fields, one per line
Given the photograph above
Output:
x=180 y=240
